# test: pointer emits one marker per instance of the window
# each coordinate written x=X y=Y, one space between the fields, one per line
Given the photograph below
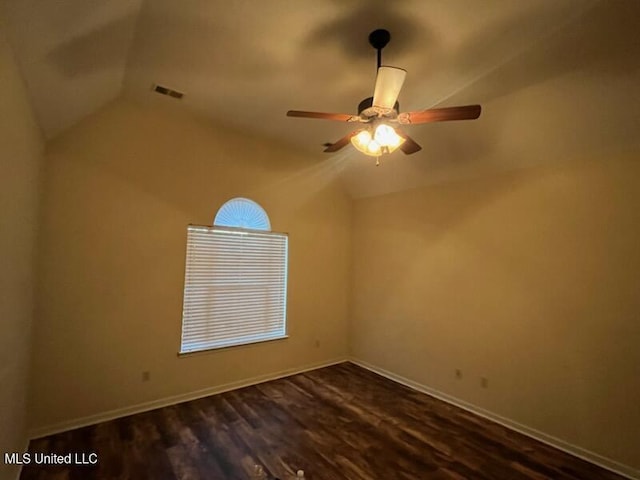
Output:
x=235 y=280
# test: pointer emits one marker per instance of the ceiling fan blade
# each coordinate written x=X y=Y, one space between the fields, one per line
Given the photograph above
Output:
x=388 y=84
x=340 y=117
x=343 y=142
x=467 y=112
x=409 y=145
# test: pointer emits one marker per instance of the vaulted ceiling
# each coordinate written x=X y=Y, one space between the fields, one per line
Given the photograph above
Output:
x=557 y=79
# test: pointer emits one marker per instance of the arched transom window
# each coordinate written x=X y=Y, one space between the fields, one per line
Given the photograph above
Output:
x=243 y=213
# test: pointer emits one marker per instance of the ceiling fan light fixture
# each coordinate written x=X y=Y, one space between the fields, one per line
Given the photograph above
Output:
x=383 y=140
x=387 y=137
x=374 y=149
x=361 y=140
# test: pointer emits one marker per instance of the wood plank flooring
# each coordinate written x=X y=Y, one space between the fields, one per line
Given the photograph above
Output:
x=339 y=422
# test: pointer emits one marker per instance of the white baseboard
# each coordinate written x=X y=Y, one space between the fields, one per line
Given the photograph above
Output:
x=569 y=448
x=174 y=399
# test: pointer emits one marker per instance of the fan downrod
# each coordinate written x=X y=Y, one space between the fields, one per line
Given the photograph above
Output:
x=378 y=40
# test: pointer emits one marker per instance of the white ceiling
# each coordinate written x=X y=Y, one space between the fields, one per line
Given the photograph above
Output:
x=556 y=78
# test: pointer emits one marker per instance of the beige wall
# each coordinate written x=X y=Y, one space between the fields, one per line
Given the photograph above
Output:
x=528 y=279
x=120 y=190
x=20 y=155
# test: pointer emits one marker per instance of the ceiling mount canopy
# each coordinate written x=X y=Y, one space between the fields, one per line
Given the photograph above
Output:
x=379 y=113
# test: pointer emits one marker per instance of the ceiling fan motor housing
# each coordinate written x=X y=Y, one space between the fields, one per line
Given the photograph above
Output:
x=368 y=103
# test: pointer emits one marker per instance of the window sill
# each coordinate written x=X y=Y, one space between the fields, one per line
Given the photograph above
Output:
x=227 y=347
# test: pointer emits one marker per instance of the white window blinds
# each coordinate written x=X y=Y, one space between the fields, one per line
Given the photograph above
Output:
x=235 y=287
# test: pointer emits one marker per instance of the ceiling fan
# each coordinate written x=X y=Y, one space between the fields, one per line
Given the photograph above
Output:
x=380 y=112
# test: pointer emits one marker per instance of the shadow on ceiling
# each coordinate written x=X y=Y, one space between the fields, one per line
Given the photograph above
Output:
x=601 y=39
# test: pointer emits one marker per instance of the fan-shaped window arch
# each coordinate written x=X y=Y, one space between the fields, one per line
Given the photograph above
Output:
x=244 y=213
x=235 y=289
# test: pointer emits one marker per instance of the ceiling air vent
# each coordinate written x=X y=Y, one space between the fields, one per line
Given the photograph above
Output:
x=167 y=91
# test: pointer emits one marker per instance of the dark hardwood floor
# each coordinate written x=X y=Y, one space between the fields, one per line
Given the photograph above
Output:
x=339 y=422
